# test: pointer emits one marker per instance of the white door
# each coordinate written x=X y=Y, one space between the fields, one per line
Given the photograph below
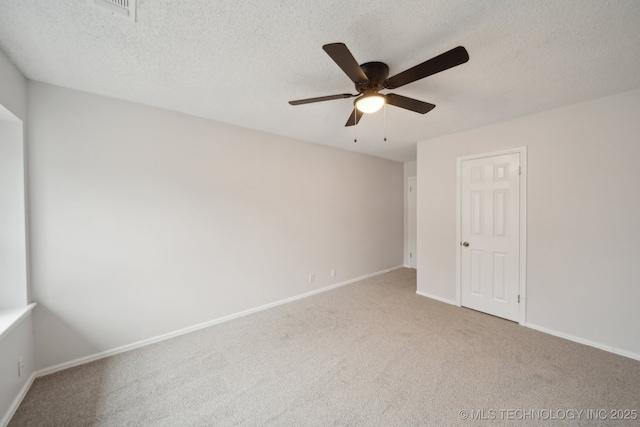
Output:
x=490 y=215
x=413 y=191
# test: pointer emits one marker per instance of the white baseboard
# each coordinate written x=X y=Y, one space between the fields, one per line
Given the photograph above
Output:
x=17 y=401
x=163 y=337
x=569 y=337
x=448 y=301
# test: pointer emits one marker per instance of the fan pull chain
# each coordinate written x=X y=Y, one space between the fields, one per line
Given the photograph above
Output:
x=385 y=120
x=355 y=122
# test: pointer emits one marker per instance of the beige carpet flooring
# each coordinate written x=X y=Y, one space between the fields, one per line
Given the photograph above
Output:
x=372 y=353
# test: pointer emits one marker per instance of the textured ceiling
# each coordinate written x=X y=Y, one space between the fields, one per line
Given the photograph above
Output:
x=239 y=62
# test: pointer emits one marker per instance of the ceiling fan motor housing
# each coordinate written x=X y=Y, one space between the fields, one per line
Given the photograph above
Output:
x=377 y=73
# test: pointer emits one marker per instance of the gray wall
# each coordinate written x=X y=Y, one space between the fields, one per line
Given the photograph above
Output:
x=13 y=88
x=18 y=342
x=13 y=250
x=16 y=345
x=146 y=221
x=582 y=217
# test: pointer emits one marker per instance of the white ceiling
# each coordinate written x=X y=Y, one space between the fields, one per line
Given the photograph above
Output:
x=239 y=61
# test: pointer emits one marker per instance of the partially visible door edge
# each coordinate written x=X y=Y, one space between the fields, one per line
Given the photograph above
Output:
x=412 y=256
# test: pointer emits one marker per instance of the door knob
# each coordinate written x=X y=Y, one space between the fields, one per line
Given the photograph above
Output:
x=465 y=244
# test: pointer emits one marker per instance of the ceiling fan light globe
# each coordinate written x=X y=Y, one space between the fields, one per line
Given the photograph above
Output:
x=370 y=103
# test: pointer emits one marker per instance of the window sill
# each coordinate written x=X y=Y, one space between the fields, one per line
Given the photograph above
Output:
x=9 y=319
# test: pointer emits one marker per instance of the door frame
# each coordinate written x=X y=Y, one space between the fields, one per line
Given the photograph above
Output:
x=412 y=180
x=523 y=225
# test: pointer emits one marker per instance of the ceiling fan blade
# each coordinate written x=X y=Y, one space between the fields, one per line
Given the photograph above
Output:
x=354 y=118
x=409 y=103
x=345 y=60
x=321 y=98
x=449 y=59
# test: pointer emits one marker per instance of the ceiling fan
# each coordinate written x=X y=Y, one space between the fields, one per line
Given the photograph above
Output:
x=372 y=77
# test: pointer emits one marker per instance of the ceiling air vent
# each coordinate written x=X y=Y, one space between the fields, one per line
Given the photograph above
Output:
x=124 y=8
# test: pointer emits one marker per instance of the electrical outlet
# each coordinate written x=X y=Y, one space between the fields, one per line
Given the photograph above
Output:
x=20 y=366
x=312 y=278
x=333 y=272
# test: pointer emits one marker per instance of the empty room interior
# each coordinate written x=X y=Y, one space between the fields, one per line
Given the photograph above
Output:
x=289 y=212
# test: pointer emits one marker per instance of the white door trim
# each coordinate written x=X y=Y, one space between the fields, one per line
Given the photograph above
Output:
x=523 y=224
x=412 y=228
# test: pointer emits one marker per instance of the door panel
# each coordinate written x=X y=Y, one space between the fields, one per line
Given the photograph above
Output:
x=490 y=225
